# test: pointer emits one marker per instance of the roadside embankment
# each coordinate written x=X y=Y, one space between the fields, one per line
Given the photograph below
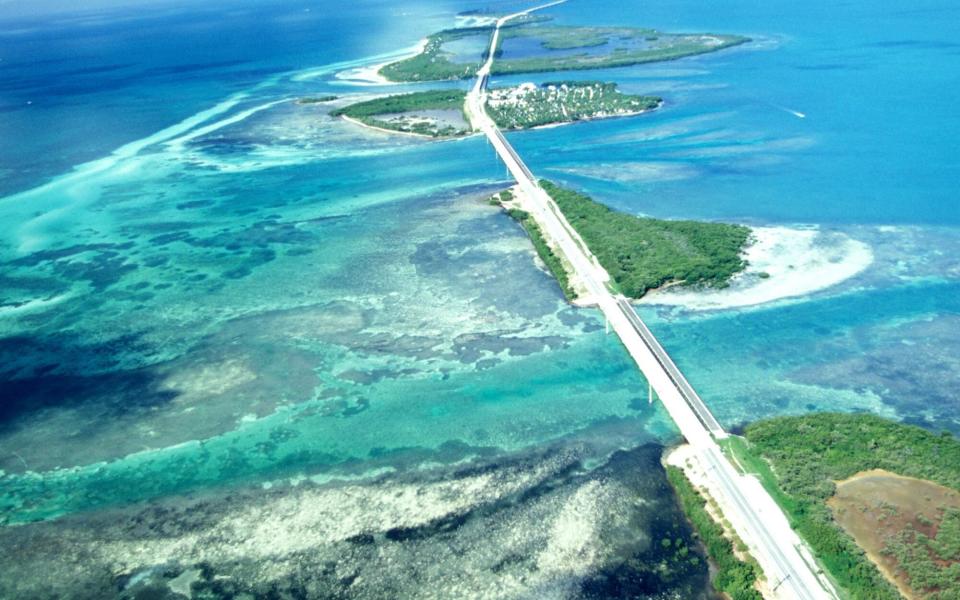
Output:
x=737 y=573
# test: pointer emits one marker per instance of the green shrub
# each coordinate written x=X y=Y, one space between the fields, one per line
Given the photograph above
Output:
x=551 y=260
x=734 y=576
x=641 y=253
x=809 y=453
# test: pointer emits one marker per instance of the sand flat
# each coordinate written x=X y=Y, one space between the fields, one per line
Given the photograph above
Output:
x=873 y=505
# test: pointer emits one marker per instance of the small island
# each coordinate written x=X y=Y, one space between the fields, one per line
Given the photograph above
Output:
x=450 y=54
x=526 y=47
x=439 y=113
x=434 y=113
x=317 y=99
x=639 y=253
x=878 y=501
x=529 y=105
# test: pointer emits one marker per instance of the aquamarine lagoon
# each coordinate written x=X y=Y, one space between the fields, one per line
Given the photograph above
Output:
x=254 y=349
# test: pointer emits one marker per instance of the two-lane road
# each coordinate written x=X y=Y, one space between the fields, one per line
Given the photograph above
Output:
x=689 y=394
x=752 y=512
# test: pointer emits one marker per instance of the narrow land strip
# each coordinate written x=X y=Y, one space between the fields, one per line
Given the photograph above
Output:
x=751 y=511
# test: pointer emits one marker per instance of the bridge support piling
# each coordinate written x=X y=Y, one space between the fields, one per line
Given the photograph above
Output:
x=751 y=516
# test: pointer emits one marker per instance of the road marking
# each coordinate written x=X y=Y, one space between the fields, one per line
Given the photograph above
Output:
x=681 y=401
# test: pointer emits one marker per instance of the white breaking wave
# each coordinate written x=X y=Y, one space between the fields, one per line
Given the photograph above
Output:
x=262 y=157
x=31 y=305
x=630 y=172
x=177 y=143
x=347 y=65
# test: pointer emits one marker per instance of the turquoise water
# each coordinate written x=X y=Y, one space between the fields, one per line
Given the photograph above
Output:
x=209 y=289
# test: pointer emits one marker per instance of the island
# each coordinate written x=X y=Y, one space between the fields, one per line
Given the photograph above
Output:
x=440 y=113
x=433 y=113
x=534 y=48
x=877 y=500
x=454 y=53
x=603 y=257
x=528 y=105
x=638 y=253
x=317 y=99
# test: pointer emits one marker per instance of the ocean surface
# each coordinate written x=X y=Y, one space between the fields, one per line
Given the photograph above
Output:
x=251 y=348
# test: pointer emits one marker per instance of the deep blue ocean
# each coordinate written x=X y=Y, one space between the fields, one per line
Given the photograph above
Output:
x=210 y=291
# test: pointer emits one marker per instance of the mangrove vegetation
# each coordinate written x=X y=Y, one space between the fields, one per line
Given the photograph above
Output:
x=641 y=253
x=546 y=254
x=556 y=49
x=734 y=577
x=435 y=113
x=804 y=457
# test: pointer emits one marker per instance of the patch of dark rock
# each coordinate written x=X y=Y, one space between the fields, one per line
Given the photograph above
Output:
x=361 y=539
x=486 y=363
x=192 y=204
x=169 y=238
x=41 y=256
x=300 y=251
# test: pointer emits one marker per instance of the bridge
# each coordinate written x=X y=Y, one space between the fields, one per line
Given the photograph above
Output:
x=789 y=567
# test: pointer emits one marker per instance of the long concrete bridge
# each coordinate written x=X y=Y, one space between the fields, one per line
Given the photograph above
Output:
x=787 y=564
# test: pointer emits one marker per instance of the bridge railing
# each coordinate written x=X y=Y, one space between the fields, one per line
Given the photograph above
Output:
x=683 y=386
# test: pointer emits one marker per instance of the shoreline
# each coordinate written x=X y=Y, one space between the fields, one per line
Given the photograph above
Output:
x=370 y=74
x=384 y=130
x=595 y=118
x=582 y=298
x=684 y=458
x=473 y=133
x=447 y=138
x=796 y=261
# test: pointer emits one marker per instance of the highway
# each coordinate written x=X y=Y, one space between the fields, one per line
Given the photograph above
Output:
x=689 y=394
x=749 y=508
x=788 y=576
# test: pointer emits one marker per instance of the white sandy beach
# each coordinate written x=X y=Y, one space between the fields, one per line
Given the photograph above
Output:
x=383 y=130
x=798 y=262
x=370 y=74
